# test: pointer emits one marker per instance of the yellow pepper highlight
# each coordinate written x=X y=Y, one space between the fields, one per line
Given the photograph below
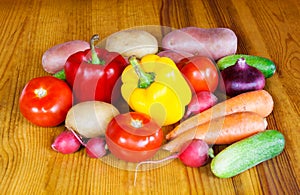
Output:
x=156 y=87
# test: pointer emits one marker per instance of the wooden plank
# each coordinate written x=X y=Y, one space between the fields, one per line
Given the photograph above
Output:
x=28 y=165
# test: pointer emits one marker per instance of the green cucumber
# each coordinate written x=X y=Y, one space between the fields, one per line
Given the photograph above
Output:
x=247 y=153
x=266 y=66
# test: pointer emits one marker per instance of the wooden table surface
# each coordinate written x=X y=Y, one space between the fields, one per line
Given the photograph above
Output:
x=28 y=28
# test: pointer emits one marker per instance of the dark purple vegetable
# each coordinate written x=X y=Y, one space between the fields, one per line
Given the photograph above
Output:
x=241 y=78
x=200 y=102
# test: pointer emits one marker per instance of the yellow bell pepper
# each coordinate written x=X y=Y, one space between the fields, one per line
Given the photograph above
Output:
x=156 y=87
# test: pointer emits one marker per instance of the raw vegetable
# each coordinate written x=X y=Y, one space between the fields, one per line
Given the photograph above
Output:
x=54 y=59
x=93 y=73
x=200 y=102
x=133 y=137
x=95 y=147
x=156 y=87
x=90 y=119
x=241 y=78
x=266 y=66
x=45 y=101
x=247 y=153
x=175 y=56
x=201 y=73
x=194 y=154
x=222 y=130
x=66 y=143
x=259 y=101
x=60 y=75
x=214 y=43
x=132 y=42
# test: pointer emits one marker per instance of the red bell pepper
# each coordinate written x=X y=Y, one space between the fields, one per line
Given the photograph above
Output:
x=93 y=73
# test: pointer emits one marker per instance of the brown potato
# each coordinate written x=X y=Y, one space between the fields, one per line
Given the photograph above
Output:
x=132 y=42
x=90 y=118
x=54 y=59
x=213 y=42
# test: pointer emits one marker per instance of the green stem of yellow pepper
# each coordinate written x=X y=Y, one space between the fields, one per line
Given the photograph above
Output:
x=145 y=78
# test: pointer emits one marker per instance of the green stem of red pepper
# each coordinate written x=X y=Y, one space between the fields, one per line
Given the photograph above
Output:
x=145 y=78
x=95 y=59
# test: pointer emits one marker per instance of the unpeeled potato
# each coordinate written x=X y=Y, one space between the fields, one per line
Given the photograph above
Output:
x=54 y=58
x=212 y=42
x=90 y=119
x=132 y=42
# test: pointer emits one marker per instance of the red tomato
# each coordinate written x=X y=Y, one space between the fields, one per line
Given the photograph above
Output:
x=45 y=101
x=133 y=137
x=201 y=73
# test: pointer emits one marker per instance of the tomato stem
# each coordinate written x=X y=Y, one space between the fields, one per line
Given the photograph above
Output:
x=145 y=78
x=136 y=123
x=40 y=93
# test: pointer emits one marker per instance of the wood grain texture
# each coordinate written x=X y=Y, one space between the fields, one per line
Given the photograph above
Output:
x=29 y=27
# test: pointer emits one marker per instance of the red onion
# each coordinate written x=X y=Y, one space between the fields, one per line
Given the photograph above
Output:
x=241 y=78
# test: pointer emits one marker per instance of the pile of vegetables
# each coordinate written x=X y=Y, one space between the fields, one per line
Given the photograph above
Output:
x=119 y=98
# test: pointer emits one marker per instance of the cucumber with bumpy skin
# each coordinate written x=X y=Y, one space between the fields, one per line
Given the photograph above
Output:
x=266 y=66
x=247 y=153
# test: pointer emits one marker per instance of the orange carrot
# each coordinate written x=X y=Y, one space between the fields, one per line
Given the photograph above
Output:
x=259 y=101
x=222 y=130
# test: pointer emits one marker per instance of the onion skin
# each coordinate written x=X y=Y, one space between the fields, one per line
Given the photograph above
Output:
x=90 y=119
x=241 y=78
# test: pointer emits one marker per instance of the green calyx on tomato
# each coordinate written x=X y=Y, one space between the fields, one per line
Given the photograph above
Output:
x=45 y=101
x=133 y=136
